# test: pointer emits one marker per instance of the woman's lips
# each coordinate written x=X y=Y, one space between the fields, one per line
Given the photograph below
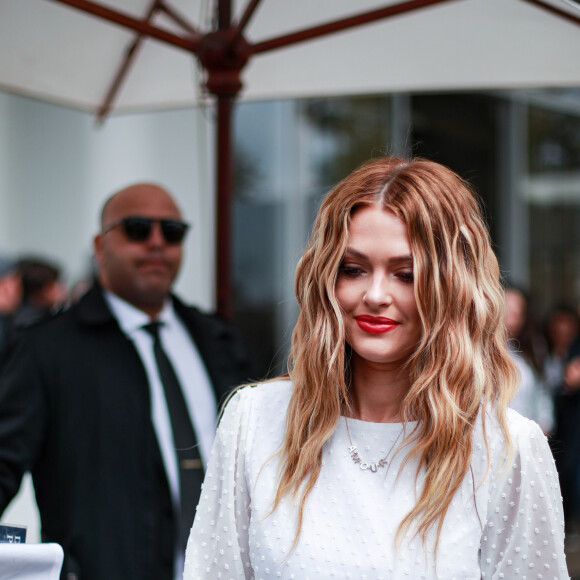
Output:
x=375 y=324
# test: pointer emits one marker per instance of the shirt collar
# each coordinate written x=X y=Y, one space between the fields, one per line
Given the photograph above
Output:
x=131 y=319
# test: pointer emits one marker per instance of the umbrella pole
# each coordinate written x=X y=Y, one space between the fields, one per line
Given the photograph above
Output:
x=224 y=181
x=224 y=175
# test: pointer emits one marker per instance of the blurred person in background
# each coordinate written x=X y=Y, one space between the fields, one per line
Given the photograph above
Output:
x=527 y=348
x=566 y=443
x=560 y=330
x=43 y=292
x=10 y=300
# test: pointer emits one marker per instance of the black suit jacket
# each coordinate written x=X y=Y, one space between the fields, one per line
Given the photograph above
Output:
x=75 y=411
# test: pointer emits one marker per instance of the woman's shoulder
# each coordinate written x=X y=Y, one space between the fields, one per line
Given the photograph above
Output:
x=492 y=458
x=517 y=424
x=262 y=397
x=525 y=434
x=256 y=416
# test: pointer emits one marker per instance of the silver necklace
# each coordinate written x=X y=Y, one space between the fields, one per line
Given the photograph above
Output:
x=364 y=465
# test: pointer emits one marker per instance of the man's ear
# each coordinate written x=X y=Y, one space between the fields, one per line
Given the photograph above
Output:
x=98 y=247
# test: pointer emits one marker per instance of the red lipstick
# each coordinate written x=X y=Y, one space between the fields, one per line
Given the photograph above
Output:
x=375 y=324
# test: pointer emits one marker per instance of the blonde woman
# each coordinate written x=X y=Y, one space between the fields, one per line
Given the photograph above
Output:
x=387 y=451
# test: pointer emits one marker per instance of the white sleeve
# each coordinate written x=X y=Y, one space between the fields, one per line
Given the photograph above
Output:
x=524 y=531
x=218 y=542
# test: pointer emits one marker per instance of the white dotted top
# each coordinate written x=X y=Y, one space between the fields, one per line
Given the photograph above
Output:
x=511 y=528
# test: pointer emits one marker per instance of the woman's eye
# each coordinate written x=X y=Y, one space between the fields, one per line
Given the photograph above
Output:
x=350 y=271
x=406 y=276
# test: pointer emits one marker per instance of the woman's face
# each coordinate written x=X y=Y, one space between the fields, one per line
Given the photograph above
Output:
x=375 y=289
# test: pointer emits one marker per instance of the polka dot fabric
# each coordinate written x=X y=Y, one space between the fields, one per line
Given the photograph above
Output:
x=504 y=523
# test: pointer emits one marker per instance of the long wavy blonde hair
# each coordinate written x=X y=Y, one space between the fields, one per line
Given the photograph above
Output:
x=461 y=363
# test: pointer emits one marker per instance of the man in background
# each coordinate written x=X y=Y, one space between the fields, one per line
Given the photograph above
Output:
x=43 y=292
x=10 y=300
x=112 y=405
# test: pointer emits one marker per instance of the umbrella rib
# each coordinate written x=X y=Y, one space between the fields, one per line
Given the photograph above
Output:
x=125 y=65
x=179 y=19
x=246 y=16
x=126 y=21
x=554 y=10
x=343 y=24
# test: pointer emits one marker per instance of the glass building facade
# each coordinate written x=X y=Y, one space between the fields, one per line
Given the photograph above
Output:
x=520 y=150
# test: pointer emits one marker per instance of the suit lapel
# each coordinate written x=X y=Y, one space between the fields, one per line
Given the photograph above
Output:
x=212 y=338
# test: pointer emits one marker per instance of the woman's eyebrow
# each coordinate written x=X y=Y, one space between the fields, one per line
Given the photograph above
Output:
x=352 y=253
x=402 y=259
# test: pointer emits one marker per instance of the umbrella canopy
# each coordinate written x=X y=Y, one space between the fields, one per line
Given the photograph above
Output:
x=61 y=54
x=142 y=54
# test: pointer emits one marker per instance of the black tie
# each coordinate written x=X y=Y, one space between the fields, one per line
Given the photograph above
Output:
x=188 y=458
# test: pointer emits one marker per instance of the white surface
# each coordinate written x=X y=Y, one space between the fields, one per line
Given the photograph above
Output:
x=30 y=562
x=58 y=53
x=22 y=511
x=351 y=515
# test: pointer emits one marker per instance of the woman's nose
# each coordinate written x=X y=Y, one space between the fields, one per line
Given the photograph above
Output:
x=378 y=292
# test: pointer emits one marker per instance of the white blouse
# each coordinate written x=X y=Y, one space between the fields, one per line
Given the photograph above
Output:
x=503 y=523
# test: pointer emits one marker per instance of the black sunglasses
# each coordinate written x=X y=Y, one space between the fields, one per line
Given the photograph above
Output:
x=138 y=229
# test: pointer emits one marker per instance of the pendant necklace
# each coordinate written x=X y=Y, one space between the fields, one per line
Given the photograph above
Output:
x=364 y=465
